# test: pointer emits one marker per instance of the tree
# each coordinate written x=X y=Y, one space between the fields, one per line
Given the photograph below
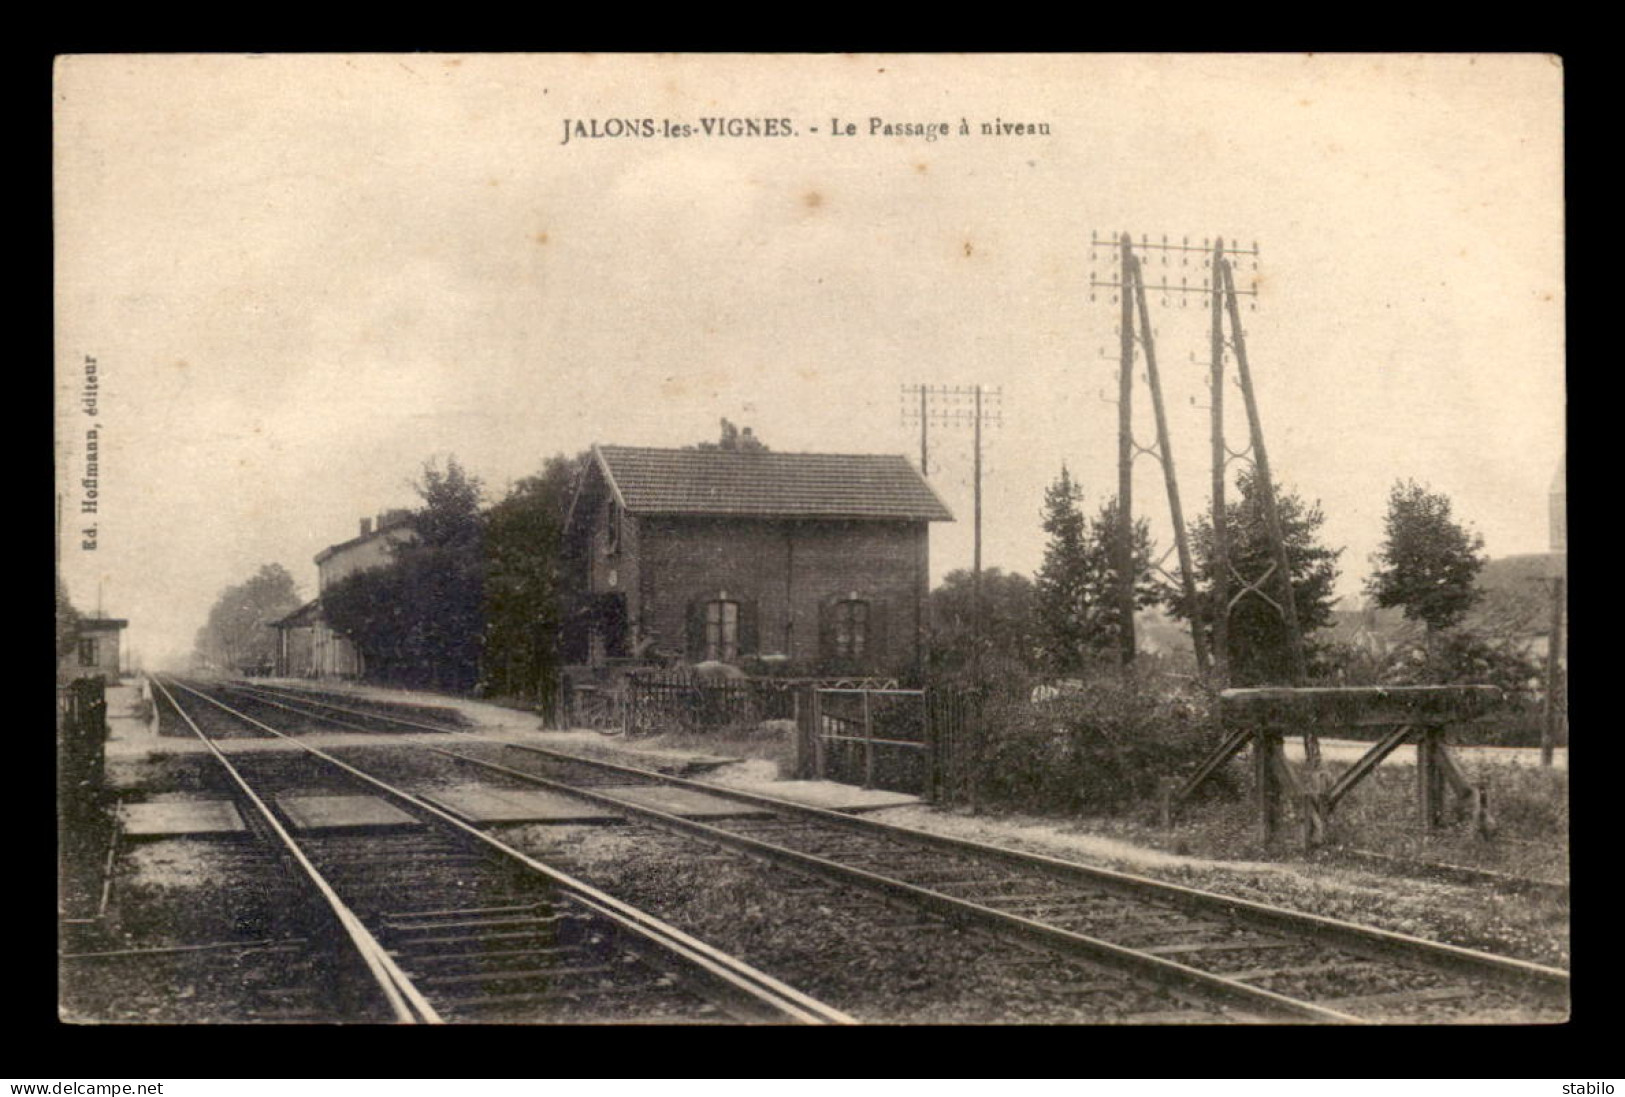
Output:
x=1064 y=587
x=1076 y=604
x=420 y=620
x=1466 y=657
x=1009 y=624
x=238 y=635
x=450 y=515
x=1428 y=563
x=524 y=594
x=1258 y=651
x=67 y=620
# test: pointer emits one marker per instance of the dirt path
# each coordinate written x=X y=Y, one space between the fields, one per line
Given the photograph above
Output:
x=1349 y=750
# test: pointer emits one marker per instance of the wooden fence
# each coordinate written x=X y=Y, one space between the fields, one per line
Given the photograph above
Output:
x=81 y=722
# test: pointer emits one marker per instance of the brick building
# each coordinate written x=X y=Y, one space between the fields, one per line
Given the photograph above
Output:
x=95 y=651
x=721 y=555
x=307 y=646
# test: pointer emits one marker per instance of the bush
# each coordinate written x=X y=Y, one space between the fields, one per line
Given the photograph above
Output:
x=1112 y=745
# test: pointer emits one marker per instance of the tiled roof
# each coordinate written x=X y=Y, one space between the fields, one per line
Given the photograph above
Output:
x=395 y=521
x=767 y=484
x=306 y=615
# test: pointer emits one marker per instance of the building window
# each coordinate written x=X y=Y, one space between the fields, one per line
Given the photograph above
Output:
x=87 y=651
x=612 y=536
x=722 y=631
x=851 y=628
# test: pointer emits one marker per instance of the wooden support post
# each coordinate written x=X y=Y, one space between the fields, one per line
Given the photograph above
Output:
x=818 y=736
x=868 y=744
x=1227 y=749
x=1465 y=799
x=977 y=731
x=933 y=749
x=1430 y=776
x=1367 y=763
x=1266 y=746
x=804 y=737
x=1483 y=822
x=1554 y=675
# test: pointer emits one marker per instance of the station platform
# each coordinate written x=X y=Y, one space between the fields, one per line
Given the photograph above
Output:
x=181 y=819
x=684 y=802
x=327 y=814
x=829 y=795
x=487 y=806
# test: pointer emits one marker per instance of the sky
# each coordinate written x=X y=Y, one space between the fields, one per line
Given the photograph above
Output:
x=302 y=277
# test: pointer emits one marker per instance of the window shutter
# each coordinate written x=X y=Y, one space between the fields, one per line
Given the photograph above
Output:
x=877 y=652
x=749 y=642
x=826 y=631
x=696 y=631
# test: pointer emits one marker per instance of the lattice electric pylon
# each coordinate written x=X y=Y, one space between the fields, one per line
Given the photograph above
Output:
x=1218 y=284
x=1130 y=287
x=1225 y=305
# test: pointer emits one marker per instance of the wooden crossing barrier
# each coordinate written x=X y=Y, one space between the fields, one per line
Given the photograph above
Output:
x=1261 y=718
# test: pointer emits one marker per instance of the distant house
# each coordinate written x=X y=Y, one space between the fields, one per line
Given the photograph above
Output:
x=95 y=651
x=719 y=555
x=307 y=646
x=1376 y=631
x=1514 y=610
x=1517 y=603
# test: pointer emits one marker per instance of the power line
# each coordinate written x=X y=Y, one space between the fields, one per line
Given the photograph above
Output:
x=1218 y=284
x=1134 y=329
x=958 y=406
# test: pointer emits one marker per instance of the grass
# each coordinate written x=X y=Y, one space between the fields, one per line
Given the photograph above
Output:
x=1529 y=805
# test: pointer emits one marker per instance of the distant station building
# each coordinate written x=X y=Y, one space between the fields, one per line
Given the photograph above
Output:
x=718 y=555
x=307 y=646
x=96 y=652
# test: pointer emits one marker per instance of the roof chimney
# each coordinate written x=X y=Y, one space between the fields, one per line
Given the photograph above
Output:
x=366 y=526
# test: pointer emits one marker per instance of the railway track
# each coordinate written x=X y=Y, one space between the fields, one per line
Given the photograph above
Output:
x=451 y=924
x=1255 y=961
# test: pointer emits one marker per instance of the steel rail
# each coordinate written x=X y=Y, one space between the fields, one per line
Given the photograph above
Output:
x=1165 y=973
x=406 y=1002
x=741 y=982
x=1368 y=941
x=1364 y=940
x=349 y=711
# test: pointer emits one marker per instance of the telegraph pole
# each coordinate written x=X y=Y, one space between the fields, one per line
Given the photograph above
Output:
x=976 y=557
x=1125 y=463
x=1261 y=463
x=945 y=405
x=1554 y=650
x=1131 y=288
x=1219 y=613
x=1220 y=286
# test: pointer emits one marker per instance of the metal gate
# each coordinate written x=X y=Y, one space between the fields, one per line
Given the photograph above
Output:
x=876 y=738
x=916 y=741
